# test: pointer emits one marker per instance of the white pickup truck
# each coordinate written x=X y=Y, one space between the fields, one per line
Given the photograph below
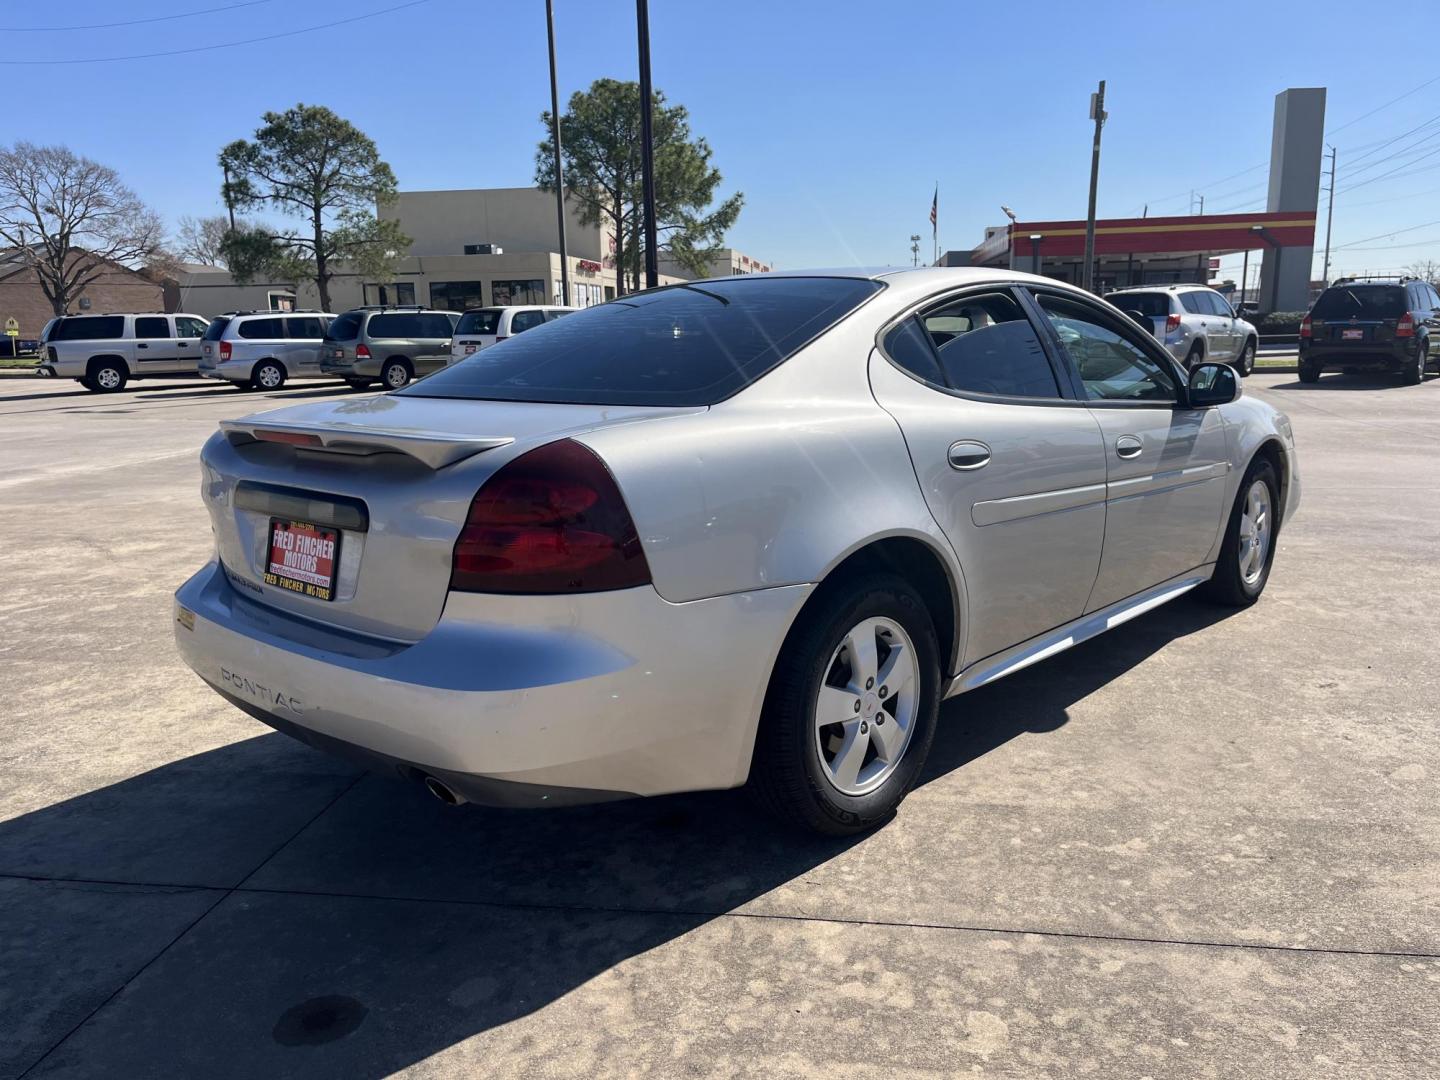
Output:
x=103 y=352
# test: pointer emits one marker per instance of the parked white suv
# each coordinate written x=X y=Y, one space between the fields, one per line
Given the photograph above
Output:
x=261 y=350
x=1193 y=323
x=103 y=352
x=480 y=328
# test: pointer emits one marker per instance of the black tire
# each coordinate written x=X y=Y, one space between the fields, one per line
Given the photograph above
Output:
x=1413 y=373
x=106 y=376
x=1195 y=356
x=84 y=381
x=1246 y=362
x=1228 y=585
x=787 y=776
x=1309 y=373
x=396 y=373
x=358 y=384
x=268 y=375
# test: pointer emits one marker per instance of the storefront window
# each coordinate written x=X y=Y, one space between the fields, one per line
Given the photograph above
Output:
x=518 y=292
x=456 y=295
x=396 y=292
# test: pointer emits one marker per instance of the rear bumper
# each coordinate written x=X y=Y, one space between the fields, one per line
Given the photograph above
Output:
x=520 y=700
x=351 y=369
x=1362 y=355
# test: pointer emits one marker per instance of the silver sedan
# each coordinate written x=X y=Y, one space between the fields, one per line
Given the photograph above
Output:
x=747 y=531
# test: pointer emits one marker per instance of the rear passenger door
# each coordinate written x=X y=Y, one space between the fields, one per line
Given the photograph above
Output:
x=155 y=346
x=1165 y=463
x=1223 y=327
x=303 y=334
x=1010 y=462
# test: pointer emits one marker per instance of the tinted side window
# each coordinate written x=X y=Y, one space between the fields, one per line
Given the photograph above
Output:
x=307 y=328
x=1112 y=367
x=152 y=326
x=909 y=346
x=187 y=327
x=525 y=320
x=479 y=322
x=1219 y=304
x=435 y=325
x=1432 y=296
x=1195 y=303
x=394 y=326
x=260 y=329
x=553 y=315
x=986 y=345
x=1152 y=305
x=93 y=328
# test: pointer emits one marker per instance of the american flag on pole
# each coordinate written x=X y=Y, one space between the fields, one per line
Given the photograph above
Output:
x=935 y=210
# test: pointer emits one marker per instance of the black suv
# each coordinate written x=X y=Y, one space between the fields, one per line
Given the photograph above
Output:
x=1372 y=324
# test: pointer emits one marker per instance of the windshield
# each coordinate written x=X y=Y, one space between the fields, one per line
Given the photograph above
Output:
x=345 y=328
x=1360 y=302
x=479 y=322
x=680 y=345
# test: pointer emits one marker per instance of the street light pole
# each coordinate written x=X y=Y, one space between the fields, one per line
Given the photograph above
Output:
x=914 y=249
x=1035 y=239
x=1329 y=218
x=559 y=162
x=647 y=145
x=1097 y=113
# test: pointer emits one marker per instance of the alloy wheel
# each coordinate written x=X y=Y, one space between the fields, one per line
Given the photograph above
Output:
x=865 y=711
x=107 y=378
x=269 y=376
x=1256 y=528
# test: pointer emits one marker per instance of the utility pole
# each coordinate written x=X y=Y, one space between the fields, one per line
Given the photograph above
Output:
x=914 y=249
x=1097 y=113
x=1202 y=205
x=1329 y=217
x=647 y=145
x=559 y=163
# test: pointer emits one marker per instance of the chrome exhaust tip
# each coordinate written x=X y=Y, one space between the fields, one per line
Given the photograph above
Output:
x=442 y=791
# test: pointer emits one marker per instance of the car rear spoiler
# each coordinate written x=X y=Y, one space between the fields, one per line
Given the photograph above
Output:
x=435 y=449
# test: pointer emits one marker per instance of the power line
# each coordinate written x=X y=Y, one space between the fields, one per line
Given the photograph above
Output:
x=1395 y=171
x=1381 y=108
x=1386 y=142
x=1392 y=232
x=223 y=44
x=131 y=22
x=1395 y=198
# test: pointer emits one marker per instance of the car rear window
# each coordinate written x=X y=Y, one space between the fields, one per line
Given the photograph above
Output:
x=345 y=327
x=680 y=345
x=1360 y=302
x=479 y=322
x=1149 y=304
x=92 y=328
x=216 y=330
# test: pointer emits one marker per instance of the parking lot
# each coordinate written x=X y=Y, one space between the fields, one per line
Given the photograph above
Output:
x=1205 y=844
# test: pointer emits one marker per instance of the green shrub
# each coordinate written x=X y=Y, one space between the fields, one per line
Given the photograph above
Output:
x=1279 y=322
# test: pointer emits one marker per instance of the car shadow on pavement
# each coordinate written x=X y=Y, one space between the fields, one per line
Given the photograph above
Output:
x=374 y=927
x=1359 y=381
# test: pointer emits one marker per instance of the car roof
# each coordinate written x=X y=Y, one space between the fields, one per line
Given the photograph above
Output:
x=1187 y=287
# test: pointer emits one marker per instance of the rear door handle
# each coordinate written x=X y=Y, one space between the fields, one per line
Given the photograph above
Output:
x=142 y=345
x=1128 y=446
x=968 y=454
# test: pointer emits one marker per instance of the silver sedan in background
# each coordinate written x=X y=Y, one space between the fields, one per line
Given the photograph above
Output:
x=745 y=531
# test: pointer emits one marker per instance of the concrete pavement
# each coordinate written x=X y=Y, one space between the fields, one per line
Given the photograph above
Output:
x=1206 y=844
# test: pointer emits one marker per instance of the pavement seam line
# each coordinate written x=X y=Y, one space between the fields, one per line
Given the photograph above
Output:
x=693 y=913
x=225 y=894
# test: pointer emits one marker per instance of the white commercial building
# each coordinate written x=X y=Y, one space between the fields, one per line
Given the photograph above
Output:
x=471 y=248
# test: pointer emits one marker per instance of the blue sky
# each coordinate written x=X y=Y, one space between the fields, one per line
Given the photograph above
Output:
x=835 y=118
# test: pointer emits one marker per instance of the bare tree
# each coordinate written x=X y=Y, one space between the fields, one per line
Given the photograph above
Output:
x=71 y=219
x=202 y=240
x=1425 y=270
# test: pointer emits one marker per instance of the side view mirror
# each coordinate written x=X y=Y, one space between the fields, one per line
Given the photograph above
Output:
x=1213 y=384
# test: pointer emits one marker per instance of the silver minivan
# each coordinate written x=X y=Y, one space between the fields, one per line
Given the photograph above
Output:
x=392 y=344
x=262 y=350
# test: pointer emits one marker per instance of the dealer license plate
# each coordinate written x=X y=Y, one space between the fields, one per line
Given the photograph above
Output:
x=1352 y=335
x=303 y=558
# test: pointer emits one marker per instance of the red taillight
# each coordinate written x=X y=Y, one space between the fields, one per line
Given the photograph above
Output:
x=224 y=351
x=1305 y=330
x=551 y=521
x=362 y=352
x=1406 y=326
x=292 y=438
x=1172 y=323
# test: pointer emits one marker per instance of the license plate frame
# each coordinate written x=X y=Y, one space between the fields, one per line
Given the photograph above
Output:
x=469 y=347
x=298 y=575
x=1352 y=335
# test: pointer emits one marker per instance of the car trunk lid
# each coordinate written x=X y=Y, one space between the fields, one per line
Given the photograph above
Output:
x=381 y=485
